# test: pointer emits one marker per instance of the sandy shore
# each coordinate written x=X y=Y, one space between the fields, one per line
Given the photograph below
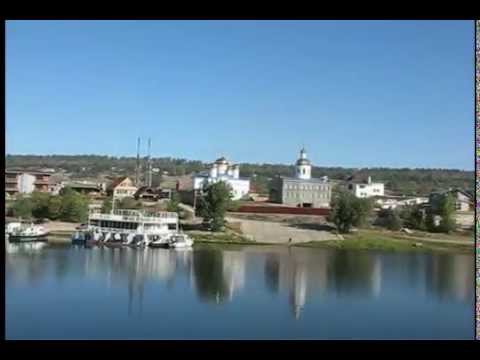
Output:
x=281 y=232
x=61 y=227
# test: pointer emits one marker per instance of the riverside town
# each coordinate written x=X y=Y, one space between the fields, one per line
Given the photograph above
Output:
x=239 y=180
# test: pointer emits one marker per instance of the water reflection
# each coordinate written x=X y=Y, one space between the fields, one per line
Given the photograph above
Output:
x=450 y=277
x=208 y=276
x=272 y=272
x=216 y=275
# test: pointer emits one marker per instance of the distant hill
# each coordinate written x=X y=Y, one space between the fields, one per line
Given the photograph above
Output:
x=406 y=181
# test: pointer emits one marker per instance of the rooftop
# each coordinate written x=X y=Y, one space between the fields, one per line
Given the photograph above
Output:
x=20 y=171
x=314 y=180
x=117 y=181
x=303 y=162
x=80 y=185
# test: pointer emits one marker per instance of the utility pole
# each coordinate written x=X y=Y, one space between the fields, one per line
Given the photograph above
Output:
x=137 y=170
x=149 y=163
x=148 y=169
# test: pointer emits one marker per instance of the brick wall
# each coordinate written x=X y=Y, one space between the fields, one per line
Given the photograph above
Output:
x=283 y=210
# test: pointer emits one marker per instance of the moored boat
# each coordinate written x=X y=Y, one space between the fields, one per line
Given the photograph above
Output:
x=159 y=241
x=128 y=227
x=29 y=232
x=180 y=241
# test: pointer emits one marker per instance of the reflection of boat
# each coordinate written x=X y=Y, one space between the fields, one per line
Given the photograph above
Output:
x=33 y=246
x=29 y=232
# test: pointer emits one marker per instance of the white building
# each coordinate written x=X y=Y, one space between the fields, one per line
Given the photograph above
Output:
x=223 y=170
x=302 y=190
x=368 y=189
x=122 y=187
x=392 y=202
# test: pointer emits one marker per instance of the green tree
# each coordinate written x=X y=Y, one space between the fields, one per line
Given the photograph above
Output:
x=67 y=191
x=430 y=222
x=54 y=207
x=22 y=207
x=446 y=209
x=74 y=207
x=214 y=204
x=413 y=217
x=348 y=211
x=40 y=202
x=173 y=203
x=362 y=210
x=107 y=205
x=391 y=219
x=261 y=184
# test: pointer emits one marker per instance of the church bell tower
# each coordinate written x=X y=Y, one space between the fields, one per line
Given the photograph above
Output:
x=303 y=168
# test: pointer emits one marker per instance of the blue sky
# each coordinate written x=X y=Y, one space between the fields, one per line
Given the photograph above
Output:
x=356 y=93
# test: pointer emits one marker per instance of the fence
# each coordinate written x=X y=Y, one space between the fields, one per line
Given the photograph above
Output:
x=283 y=210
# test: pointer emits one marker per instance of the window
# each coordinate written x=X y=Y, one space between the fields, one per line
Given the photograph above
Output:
x=303 y=170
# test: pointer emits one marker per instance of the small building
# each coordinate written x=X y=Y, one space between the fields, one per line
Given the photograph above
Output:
x=55 y=184
x=463 y=200
x=366 y=189
x=26 y=181
x=392 y=202
x=84 y=187
x=122 y=187
x=256 y=195
x=301 y=190
x=223 y=170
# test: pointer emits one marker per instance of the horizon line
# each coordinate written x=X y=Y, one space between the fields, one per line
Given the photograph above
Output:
x=255 y=163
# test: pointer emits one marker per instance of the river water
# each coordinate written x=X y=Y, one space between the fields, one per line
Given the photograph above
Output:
x=231 y=292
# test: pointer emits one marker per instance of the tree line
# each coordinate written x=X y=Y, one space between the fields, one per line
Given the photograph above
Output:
x=68 y=206
x=348 y=211
x=404 y=181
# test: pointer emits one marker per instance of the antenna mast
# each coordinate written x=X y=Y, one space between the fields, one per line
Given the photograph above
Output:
x=148 y=174
x=137 y=169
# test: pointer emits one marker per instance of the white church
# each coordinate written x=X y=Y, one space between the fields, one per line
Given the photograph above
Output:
x=223 y=170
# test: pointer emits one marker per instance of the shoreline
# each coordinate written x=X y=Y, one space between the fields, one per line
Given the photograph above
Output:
x=360 y=241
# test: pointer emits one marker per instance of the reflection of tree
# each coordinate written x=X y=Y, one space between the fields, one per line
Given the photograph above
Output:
x=208 y=274
x=26 y=260
x=351 y=272
x=450 y=276
x=272 y=272
x=61 y=264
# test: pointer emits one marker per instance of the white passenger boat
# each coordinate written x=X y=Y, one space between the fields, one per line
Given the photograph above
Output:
x=11 y=227
x=28 y=232
x=128 y=227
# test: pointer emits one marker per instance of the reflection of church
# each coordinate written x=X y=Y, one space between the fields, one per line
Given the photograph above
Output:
x=233 y=271
x=302 y=273
x=298 y=290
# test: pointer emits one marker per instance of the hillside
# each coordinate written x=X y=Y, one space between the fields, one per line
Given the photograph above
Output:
x=406 y=181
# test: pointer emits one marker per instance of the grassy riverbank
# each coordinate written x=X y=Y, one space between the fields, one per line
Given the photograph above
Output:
x=394 y=241
x=222 y=238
